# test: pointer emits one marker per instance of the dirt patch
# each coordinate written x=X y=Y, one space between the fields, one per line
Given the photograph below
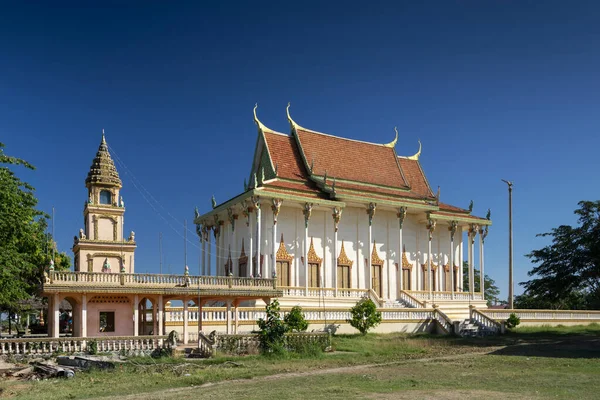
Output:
x=449 y=395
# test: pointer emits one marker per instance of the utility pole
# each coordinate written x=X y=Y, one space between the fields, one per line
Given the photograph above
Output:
x=53 y=242
x=185 y=243
x=510 y=246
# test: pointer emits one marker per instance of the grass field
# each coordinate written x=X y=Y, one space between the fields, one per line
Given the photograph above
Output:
x=529 y=363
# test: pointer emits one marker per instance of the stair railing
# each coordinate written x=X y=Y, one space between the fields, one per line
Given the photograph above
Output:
x=479 y=318
x=409 y=300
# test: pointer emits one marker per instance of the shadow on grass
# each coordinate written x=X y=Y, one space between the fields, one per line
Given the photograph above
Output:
x=545 y=341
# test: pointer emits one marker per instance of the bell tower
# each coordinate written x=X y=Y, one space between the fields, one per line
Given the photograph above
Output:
x=101 y=245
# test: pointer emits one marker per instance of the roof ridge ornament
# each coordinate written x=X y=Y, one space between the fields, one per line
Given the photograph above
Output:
x=392 y=144
x=260 y=125
x=103 y=138
x=417 y=154
x=293 y=123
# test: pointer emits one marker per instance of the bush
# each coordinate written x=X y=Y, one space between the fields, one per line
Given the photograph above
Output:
x=295 y=320
x=272 y=330
x=364 y=316
x=512 y=321
x=92 y=347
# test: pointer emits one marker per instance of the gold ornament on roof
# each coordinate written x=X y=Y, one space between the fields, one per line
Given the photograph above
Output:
x=313 y=258
x=375 y=260
x=392 y=144
x=343 y=258
x=417 y=154
x=282 y=253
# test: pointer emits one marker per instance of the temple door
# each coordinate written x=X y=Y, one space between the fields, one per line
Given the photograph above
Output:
x=283 y=273
x=377 y=287
x=405 y=279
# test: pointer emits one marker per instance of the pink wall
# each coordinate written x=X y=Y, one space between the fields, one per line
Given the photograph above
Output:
x=123 y=319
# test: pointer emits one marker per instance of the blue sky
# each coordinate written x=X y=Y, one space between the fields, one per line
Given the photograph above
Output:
x=494 y=89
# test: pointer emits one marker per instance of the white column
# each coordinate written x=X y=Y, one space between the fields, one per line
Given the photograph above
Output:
x=472 y=233
x=337 y=215
x=258 y=241
x=250 y=269
x=83 y=322
x=453 y=226
x=154 y=317
x=185 y=321
x=482 y=234
x=276 y=205
x=159 y=315
x=371 y=213
x=461 y=258
x=55 y=316
x=401 y=216
x=208 y=261
x=429 y=275
x=202 y=232
x=307 y=212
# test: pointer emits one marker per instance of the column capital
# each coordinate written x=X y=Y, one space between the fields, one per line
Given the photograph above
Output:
x=337 y=215
x=307 y=211
x=431 y=224
x=473 y=229
x=452 y=228
x=371 y=212
x=255 y=201
x=483 y=232
x=401 y=214
x=275 y=207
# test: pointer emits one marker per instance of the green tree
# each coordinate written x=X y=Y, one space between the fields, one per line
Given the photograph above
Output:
x=567 y=274
x=491 y=290
x=364 y=316
x=24 y=245
x=272 y=330
x=295 y=320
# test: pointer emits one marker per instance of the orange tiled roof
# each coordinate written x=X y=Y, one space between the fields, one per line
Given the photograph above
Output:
x=284 y=153
x=350 y=159
x=415 y=177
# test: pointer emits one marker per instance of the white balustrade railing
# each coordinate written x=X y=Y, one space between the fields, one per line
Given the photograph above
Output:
x=148 y=280
x=409 y=300
x=425 y=295
x=550 y=315
x=483 y=320
x=76 y=345
x=218 y=315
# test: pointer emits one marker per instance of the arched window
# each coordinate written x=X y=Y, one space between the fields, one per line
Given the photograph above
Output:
x=105 y=197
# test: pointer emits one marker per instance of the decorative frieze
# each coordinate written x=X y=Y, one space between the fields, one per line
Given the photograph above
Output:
x=343 y=258
x=312 y=256
x=375 y=260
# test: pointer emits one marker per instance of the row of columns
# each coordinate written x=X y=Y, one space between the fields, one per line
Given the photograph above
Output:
x=255 y=205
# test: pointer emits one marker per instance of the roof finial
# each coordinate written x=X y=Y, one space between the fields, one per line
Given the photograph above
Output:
x=392 y=144
x=418 y=154
x=103 y=138
x=260 y=125
x=289 y=117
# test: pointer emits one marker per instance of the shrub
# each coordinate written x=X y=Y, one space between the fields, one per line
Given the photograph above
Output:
x=364 y=316
x=272 y=330
x=92 y=347
x=295 y=320
x=512 y=321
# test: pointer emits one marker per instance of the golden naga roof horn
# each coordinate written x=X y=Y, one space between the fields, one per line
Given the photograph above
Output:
x=418 y=153
x=392 y=144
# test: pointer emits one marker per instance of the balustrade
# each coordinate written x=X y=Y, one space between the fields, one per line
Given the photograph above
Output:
x=549 y=315
x=78 y=345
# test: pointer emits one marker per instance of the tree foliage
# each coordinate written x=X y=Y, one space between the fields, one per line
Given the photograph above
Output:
x=364 y=316
x=567 y=274
x=295 y=320
x=491 y=290
x=272 y=330
x=24 y=245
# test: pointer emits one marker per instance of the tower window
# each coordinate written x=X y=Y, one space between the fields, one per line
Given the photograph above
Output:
x=105 y=197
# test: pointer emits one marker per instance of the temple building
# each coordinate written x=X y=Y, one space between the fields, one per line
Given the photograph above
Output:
x=333 y=220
